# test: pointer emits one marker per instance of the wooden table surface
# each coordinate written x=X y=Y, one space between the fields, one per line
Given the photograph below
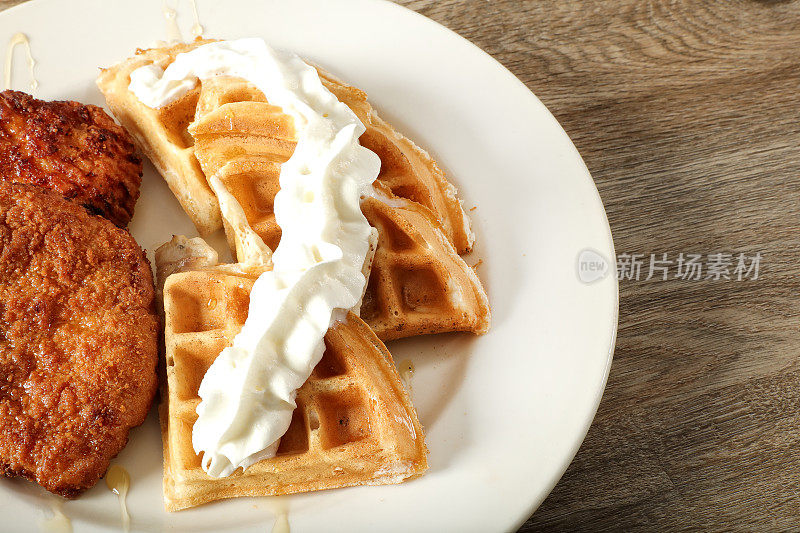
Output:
x=688 y=116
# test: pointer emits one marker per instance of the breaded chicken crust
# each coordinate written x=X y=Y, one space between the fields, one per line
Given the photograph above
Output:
x=72 y=148
x=78 y=339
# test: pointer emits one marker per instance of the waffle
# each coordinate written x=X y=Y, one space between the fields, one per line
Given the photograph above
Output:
x=406 y=169
x=163 y=136
x=419 y=283
x=242 y=140
x=354 y=423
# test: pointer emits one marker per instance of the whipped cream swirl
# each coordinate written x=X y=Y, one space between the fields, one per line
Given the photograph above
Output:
x=248 y=394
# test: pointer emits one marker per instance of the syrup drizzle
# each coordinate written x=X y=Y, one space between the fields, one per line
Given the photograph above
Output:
x=20 y=38
x=406 y=370
x=171 y=19
x=280 y=508
x=281 y=523
x=118 y=481
x=197 y=29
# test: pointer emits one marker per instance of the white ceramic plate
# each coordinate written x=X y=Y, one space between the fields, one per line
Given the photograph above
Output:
x=504 y=413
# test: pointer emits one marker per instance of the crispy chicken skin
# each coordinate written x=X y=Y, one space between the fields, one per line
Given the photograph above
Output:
x=78 y=339
x=72 y=148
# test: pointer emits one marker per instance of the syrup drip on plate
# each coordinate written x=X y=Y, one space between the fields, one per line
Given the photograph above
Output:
x=118 y=481
x=20 y=38
x=171 y=18
x=280 y=508
x=197 y=29
x=59 y=522
x=281 y=523
x=406 y=370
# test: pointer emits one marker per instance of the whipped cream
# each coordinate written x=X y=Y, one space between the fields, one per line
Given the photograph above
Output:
x=248 y=394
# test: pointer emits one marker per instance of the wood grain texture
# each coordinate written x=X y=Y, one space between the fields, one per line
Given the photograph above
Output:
x=688 y=116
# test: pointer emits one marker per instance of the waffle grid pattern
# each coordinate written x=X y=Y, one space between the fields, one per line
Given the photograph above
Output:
x=352 y=419
x=419 y=284
x=163 y=135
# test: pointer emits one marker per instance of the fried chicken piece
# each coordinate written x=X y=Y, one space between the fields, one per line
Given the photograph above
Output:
x=78 y=339
x=72 y=148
